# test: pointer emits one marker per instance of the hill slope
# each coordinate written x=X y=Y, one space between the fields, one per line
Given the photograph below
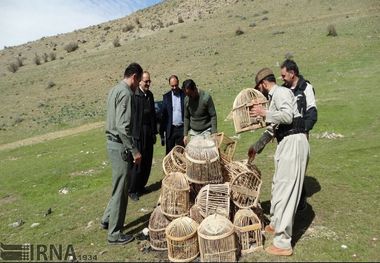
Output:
x=71 y=90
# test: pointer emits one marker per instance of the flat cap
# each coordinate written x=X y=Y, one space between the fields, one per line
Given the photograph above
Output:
x=262 y=74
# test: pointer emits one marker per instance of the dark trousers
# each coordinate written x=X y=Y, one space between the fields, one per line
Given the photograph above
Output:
x=116 y=209
x=176 y=138
x=140 y=173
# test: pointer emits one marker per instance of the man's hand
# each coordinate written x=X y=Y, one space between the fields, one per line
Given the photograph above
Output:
x=137 y=158
x=257 y=111
x=162 y=141
x=251 y=154
x=185 y=140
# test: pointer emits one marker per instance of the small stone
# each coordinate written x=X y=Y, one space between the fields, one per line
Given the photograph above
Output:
x=343 y=246
x=48 y=212
x=145 y=231
x=17 y=223
x=34 y=225
x=63 y=191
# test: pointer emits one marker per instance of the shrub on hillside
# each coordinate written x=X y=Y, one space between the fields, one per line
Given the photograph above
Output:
x=13 y=67
x=116 y=42
x=180 y=19
x=45 y=57
x=72 y=46
x=50 y=84
x=239 y=32
x=19 y=61
x=52 y=56
x=138 y=23
x=37 y=59
x=128 y=28
x=331 y=31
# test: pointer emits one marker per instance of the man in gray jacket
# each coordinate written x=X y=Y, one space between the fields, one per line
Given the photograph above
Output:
x=121 y=151
x=291 y=157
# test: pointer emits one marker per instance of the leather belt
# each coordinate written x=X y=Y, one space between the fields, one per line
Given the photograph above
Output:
x=113 y=139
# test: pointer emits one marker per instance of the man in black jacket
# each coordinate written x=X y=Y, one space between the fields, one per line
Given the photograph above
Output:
x=144 y=136
x=304 y=92
x=171 y=128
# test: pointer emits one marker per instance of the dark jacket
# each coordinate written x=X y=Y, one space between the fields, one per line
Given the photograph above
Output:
x=310 y=116
x=167 y=113
x=139 y=98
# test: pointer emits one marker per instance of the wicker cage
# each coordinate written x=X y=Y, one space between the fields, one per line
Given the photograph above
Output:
x=248 y=231
x=214 y=198
x=195 y=213
x=203 y=161
x=226 y=146
x=182 y=240
x=243 y=102
x=157 y=225
x=217 y=239
x=175 y=195
x=251 y=166
x=245 y=185
x=175 y=160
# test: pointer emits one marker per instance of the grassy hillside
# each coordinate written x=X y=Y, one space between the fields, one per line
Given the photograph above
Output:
x=342 y=177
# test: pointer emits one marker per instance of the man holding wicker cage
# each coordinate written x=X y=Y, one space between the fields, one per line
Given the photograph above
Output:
x=291 y=157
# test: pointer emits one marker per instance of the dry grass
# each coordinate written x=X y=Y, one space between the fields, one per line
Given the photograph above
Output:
x=204 y=42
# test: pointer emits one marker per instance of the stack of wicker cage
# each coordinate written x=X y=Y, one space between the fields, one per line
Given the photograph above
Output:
x=242 y=105
x=175 y=195
x=157 y=225
x=203 y=161
x=182 y=239
x=204 y=189
x=214 y=198
x=175 y=160
x=217 y=239
x=248 y=231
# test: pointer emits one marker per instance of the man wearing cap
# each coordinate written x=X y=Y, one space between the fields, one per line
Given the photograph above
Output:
x=291 y=157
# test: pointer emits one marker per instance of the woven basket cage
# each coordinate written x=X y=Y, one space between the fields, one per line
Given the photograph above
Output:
x=248 y=231
x=217 y=239
x=243 y=102
x=226 y=146
x=245 y=185
x=195 y=213
x=203 y=161
x=182 y=239
x=214 y=198
x=157 y=225
x=175 y=195
x=175 y=160
x=251 y=166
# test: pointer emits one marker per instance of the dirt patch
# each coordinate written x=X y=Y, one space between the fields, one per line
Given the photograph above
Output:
x=7 y=199
x=51 y=136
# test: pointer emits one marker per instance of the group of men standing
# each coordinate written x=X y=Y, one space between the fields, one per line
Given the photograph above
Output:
x=131 y=130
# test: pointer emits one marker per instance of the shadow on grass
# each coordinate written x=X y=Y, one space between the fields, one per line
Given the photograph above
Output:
x=154 y=187
x=140 y=223
x=312 y=185
x=303 y=219
x=137 y=225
